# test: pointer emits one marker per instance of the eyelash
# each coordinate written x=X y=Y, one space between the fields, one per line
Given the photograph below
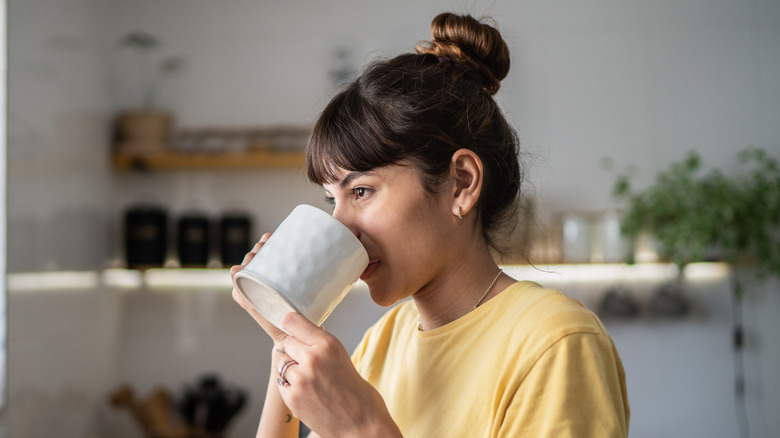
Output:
x=353 y=192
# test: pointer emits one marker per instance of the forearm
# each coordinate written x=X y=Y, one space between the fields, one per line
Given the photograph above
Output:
x=277 y=420
x=325 y=390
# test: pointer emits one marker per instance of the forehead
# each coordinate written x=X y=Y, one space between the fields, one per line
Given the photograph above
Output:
x=343 y=177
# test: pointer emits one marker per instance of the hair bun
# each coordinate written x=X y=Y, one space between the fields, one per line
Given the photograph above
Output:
x=464 y=39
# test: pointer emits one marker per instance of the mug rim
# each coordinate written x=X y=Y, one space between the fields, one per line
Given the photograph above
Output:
x=277 y=294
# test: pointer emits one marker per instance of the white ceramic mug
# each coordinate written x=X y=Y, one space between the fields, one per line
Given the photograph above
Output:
x=307 y=266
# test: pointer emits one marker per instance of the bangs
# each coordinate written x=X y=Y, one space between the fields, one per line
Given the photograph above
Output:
x=350 y=135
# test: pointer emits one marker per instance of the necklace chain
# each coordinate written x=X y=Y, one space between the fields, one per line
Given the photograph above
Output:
x=488 y=289
x=492 y=283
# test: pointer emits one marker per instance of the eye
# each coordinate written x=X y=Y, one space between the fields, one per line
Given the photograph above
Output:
x=360 y=192
x=330 y=200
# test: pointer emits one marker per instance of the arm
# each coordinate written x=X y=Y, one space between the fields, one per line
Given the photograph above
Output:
x=575 y=389
x=324 y=390
x=277 y=419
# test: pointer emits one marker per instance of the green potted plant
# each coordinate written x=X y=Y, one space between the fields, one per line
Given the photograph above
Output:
x=147 y=126
x=695 y=215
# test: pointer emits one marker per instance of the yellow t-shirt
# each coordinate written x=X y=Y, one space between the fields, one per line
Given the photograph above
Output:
x=531 y=362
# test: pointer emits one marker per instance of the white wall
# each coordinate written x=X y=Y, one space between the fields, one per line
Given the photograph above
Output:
x=59 y=187
x=3 y=207
x=641 y=82
x=61 y=346
x=761 y=306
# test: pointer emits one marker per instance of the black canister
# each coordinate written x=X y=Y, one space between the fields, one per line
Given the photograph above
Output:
x=145 y=236
x=235 y=231
x=193 y=240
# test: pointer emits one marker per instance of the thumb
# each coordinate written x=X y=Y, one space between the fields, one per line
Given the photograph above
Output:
x=301 y=328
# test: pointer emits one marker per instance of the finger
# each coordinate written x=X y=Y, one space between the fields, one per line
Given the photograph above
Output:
x=299 y=351
x=277 y=335
x=235 y=270
x=250 y=255
x=287 y=373
x=241 y=300
x=252 y=252
x=246 y=305
x=302 y=329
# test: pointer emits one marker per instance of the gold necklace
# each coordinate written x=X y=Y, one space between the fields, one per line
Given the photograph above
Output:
x=492 y=283
x=488 y=289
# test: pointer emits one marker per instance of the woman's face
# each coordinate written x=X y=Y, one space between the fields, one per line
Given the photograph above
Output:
x=406 y=230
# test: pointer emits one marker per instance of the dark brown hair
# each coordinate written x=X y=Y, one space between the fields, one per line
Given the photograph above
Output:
x=422 y=107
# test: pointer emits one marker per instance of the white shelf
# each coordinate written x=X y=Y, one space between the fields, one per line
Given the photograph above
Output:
x=219 y=279
x=600 y=273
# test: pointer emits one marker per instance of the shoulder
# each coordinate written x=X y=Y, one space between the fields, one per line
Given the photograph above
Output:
x=568 y=364
x=545 y=309
x=528 y=320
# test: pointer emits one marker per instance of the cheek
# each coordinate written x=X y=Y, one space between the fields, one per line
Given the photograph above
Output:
x=384 y=231
x=408 y=235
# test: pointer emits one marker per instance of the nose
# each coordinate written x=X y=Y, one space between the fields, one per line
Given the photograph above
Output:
x=343 y=215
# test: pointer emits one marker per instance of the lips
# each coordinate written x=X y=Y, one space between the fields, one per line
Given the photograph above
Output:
x=372 y=265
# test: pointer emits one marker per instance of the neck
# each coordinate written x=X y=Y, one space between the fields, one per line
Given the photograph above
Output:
x=459 y=289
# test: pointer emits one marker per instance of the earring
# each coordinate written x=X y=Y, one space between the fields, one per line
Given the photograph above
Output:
x=458 y=214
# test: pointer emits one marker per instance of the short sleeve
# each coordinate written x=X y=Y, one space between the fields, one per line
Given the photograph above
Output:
x=575 y=389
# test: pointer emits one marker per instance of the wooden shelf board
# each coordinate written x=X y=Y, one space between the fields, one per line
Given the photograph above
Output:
x=185 y=161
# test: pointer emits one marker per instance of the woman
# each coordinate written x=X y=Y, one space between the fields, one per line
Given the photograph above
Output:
x=420 y=163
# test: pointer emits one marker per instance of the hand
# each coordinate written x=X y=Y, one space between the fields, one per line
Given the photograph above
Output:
x=325 y=390
x=277 y=335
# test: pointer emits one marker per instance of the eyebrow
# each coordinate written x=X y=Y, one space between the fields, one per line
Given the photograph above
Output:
x=351 y=176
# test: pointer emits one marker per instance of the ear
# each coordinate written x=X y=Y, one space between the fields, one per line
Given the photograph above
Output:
x=466 y=172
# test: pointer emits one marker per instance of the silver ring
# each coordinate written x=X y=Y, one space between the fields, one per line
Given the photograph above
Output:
x=283 y=369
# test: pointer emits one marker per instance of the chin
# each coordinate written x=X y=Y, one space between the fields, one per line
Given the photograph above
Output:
x=381 y=297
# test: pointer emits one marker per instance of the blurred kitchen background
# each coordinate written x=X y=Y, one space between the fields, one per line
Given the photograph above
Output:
x=633 y=84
